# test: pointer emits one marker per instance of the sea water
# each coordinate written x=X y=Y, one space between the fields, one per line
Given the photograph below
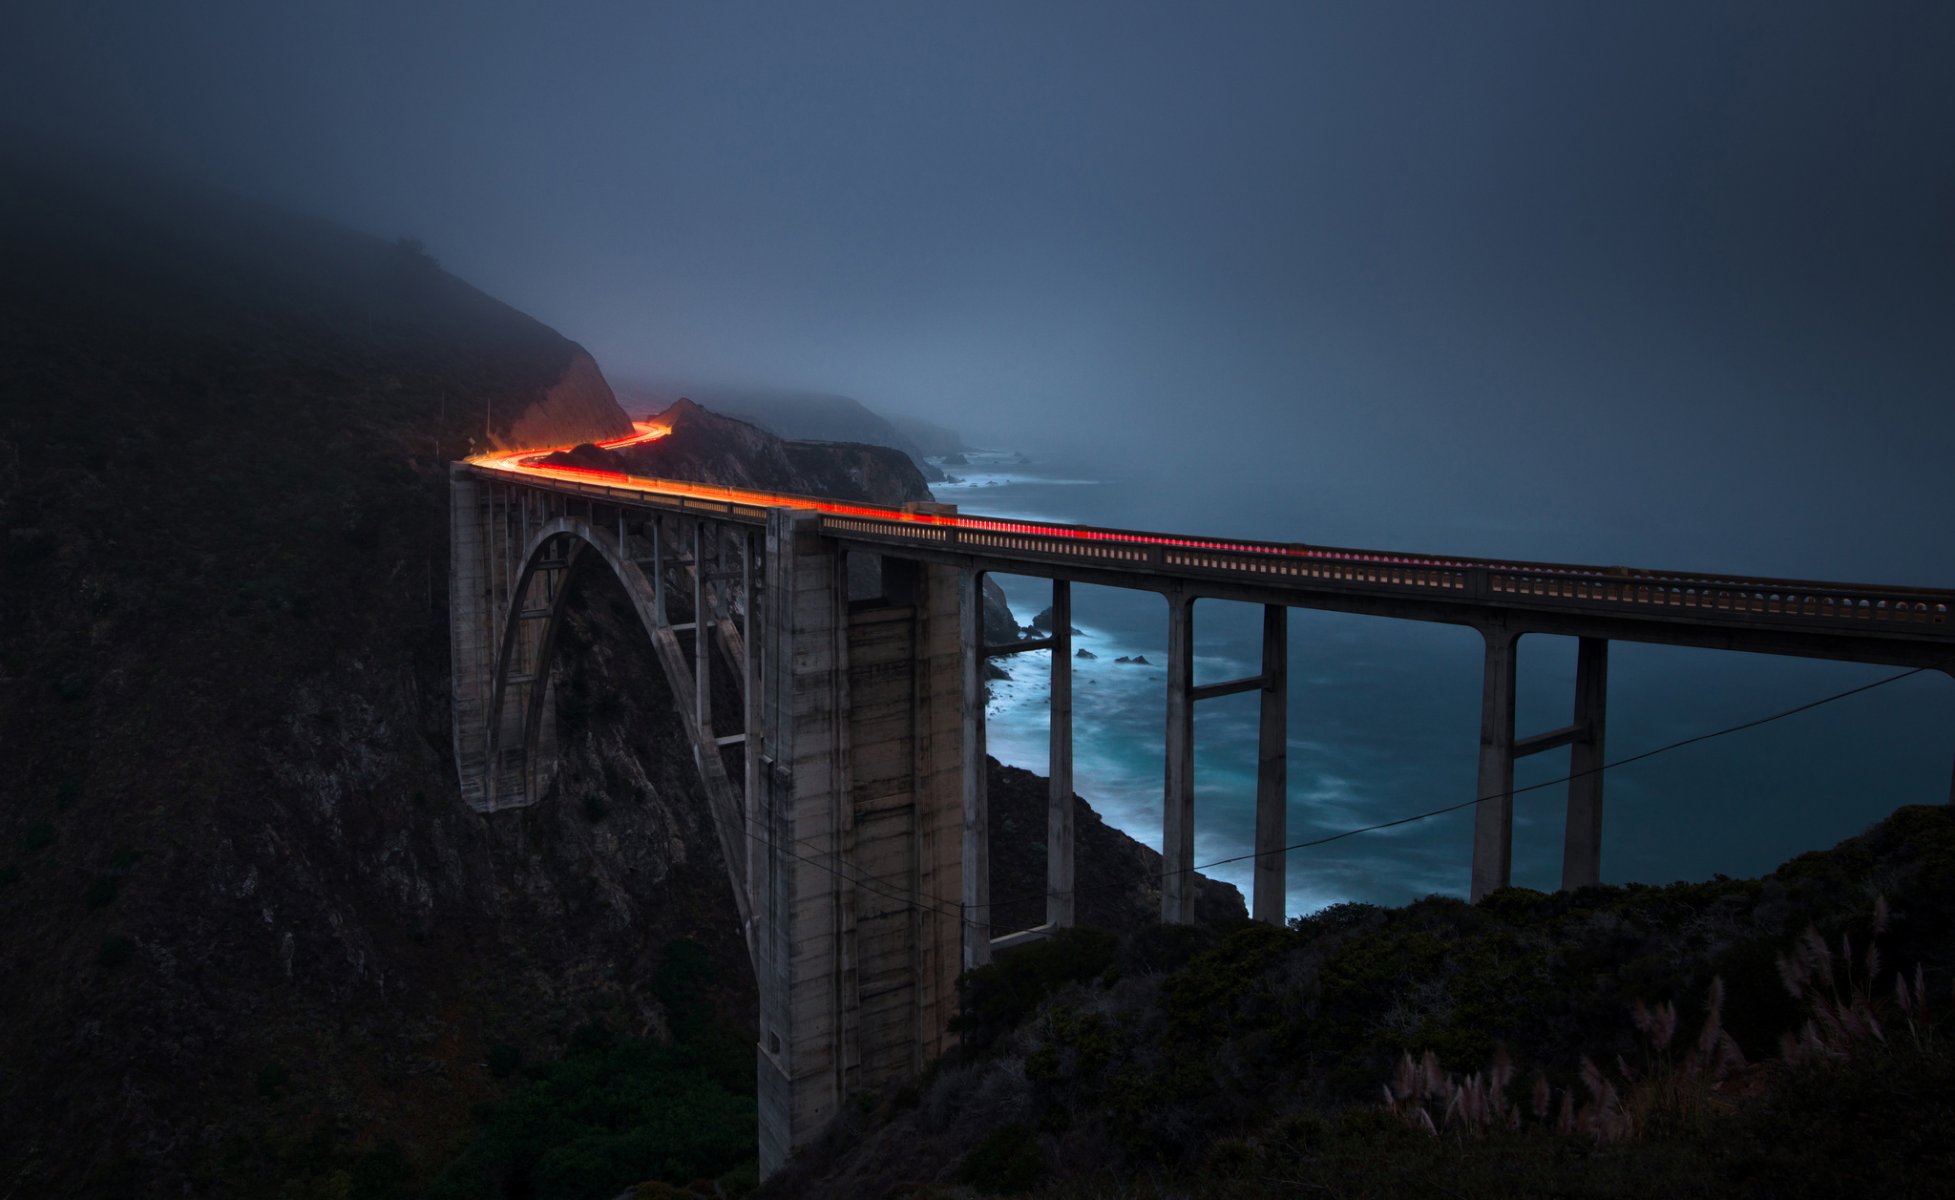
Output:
x=1384 y=718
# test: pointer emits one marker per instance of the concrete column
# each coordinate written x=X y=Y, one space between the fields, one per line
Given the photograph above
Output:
x=977 y=813
x=1059 y=764
x=658 y=570
x=800 y=969
x=1178 y=799
x=940 y=809
x=702 y=638
x=471 y=632
x=1493 y=816
x=1581 y=848
x=1272 y=769
x=752 y=747
x=1951 y=774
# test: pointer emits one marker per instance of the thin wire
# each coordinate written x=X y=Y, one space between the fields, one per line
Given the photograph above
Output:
x=910 y=899
x=1478 y=800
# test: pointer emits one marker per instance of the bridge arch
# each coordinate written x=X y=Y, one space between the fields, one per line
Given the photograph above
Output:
x=559 y=552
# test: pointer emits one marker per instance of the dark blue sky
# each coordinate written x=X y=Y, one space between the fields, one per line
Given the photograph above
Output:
x=1670 y=284
x=1635 y=267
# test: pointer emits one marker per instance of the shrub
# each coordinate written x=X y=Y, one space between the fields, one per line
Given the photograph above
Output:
x=114 y=951
x=1004 y=1163
x=504 y=1059
x=615 y=1111
x=39 y=836
x=102 y=891
x=999 y=995
x=272 y=1079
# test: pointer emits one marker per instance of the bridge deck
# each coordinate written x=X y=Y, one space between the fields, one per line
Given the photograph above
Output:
x=1862 y=622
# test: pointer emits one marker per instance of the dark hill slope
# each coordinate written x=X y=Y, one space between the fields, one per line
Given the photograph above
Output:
x=1253 y=1062
x=240 y=904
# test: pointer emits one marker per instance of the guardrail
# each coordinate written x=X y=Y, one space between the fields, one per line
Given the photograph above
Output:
x=1561 y=587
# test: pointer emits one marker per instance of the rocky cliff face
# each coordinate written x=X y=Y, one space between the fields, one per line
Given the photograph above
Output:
x=707 y=446
x=578 y=407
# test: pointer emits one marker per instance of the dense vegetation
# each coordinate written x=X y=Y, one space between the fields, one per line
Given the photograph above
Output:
x=1612 y=1041
x=617 y=1109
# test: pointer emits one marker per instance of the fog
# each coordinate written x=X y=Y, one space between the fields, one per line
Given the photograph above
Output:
x=1663 y=284
x=1677 y=278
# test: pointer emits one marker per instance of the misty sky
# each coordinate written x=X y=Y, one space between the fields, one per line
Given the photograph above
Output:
x=1669 y=281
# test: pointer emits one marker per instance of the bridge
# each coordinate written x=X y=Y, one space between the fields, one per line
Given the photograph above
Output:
x=839 y=738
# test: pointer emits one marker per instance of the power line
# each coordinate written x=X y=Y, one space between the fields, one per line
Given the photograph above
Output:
x=910 y=899
x=1478 y=800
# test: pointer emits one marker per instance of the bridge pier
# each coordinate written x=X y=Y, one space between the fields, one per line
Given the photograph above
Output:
x=860 y=811
x=1581 y=848
x=1272 y=770
x=1178 y=794
x=1059 y=874
x=1493 y=819
x=976 y=886
x=1493 y=816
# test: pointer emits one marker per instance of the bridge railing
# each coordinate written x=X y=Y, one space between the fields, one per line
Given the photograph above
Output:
x=1566 y=587
x=1474 y=581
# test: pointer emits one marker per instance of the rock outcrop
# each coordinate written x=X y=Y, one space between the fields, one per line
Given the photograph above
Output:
x=579 y=407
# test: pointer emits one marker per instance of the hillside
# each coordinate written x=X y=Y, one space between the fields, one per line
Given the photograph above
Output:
x=255 y=944
x=805 y=416
x=1776 y=1037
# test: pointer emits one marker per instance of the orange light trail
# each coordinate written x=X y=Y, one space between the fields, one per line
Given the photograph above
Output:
x=529 y=462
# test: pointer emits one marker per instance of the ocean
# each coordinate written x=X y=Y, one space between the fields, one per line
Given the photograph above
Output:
x=1384 y=716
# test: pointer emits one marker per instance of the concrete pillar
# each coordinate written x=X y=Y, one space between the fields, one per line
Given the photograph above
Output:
x=977 y=816
x=1272 y=770
x=940 y=808
x=754 y=746
x=471 y=632
x=1581 y=848
x=799 y=958
x=702 y=638
x=1059 y=764
x=658 y=570
x=1493 y=816
x=1178 y=798
x=1951 y=774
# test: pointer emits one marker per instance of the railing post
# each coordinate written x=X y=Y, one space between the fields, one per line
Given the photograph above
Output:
x=977 y=819
x=1581 y=851
x=1272 y=769
x=1493 y=816
x=1178 y=799
x=1059 y=906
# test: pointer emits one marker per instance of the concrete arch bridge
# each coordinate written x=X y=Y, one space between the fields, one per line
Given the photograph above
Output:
x=850 y=801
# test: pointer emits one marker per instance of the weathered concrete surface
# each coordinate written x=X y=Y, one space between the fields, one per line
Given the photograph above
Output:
x=860 y=811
